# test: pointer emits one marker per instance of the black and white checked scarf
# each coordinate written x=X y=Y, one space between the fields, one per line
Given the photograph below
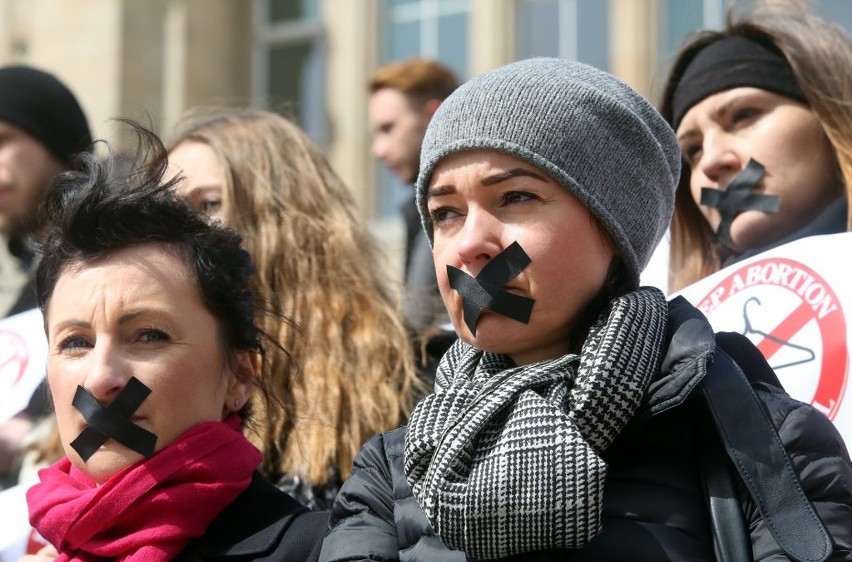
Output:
x=506 y=460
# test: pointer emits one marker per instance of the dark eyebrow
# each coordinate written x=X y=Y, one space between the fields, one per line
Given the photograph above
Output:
x=509 y=174
x=494 y=179
x=123 y=319
x=689 y=133
x=75 y=323
x=133 y=314
x=726 y=107
x=717 y=113
x=202 y=189
x=440 y=190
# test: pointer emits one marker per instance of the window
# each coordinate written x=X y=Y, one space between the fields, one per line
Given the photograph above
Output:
x=436 y=29
x=428 y=28
x=679 y=18
x=289 y=66
x=288 y=10
x=552 y=28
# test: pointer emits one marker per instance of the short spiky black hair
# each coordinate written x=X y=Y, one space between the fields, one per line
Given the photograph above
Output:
x=96 y=211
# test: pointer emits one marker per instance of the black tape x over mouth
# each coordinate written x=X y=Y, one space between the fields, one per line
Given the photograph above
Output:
x=113 y=421
x=485 y=291
x=738 y=197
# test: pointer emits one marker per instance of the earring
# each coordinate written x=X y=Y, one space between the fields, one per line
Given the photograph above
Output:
x=236 y=404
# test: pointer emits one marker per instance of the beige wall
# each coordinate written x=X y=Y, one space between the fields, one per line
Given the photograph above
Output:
x=78 y=40
x=206 y=55
x=351 y=47
x=139 y=81
x=156 y=58
x=492 y=34
x=153 y=59
x=352 y=50
x=143 y=59
x=632 y=55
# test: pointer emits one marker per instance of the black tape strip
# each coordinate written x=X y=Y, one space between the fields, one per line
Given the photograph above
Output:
x=738 y=197
x=485 y=291
x=113 y=421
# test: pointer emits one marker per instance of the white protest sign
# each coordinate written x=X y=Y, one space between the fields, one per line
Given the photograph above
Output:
x=793 y=303
x=23 y=360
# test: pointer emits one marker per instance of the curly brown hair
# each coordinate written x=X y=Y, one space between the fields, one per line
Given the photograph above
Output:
x=318 y=264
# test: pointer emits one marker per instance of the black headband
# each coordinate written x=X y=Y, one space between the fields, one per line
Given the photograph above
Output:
x=733 y=62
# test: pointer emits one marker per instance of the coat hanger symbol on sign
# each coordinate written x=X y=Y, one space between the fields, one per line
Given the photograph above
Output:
x=802 y=354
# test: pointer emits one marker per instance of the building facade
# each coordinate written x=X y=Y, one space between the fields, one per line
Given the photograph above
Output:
x=311 y=59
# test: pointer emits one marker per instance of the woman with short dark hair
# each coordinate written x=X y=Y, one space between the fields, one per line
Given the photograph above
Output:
x=153 y=358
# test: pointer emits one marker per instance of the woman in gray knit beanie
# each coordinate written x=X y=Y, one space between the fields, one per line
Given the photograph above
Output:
x=564 y=421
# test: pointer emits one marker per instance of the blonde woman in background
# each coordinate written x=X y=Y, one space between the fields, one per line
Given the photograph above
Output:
x=317 y=264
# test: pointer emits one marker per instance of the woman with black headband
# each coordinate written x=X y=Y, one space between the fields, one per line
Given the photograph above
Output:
x=763 y=115
x=579 y=416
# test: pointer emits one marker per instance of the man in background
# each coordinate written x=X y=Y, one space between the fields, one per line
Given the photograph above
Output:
x=42 y=127
x=404 y=96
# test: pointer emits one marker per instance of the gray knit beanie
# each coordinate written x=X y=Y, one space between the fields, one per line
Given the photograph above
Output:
x=596 y=136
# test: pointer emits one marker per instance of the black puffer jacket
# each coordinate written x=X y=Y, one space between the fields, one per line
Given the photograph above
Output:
x=654 y=499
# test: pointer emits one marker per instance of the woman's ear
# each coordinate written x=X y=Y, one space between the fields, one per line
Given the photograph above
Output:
x=246 y=369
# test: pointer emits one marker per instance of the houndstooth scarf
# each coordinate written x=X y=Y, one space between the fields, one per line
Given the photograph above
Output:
x=506 y=460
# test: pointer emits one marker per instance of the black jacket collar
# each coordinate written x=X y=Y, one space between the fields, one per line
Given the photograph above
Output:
x=251 y=528
x=686 y=359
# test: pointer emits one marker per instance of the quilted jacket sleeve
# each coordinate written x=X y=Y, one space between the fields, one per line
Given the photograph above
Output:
x=362 y=520
x=821 y=460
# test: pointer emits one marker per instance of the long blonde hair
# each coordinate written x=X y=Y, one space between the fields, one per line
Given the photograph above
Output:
x=318 y=265
x=820 y=55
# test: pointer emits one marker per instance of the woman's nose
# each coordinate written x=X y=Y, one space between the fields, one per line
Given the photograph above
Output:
x=719 y=159
x=108 y=374
x=479 y=240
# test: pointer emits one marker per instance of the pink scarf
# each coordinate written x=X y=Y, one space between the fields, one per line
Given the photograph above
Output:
x=148 y=511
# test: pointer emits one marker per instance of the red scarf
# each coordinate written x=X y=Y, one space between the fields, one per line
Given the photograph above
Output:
x=148 y=511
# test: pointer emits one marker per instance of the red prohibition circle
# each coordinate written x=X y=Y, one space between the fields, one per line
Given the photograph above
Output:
x=17 y=358
x=832 y=327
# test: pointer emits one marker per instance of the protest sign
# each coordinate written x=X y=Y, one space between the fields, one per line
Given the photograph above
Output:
x=23 y=359
x=793 y=303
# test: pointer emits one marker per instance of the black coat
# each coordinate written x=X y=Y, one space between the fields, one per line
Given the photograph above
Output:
x=654 y=496
x=263 y=525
